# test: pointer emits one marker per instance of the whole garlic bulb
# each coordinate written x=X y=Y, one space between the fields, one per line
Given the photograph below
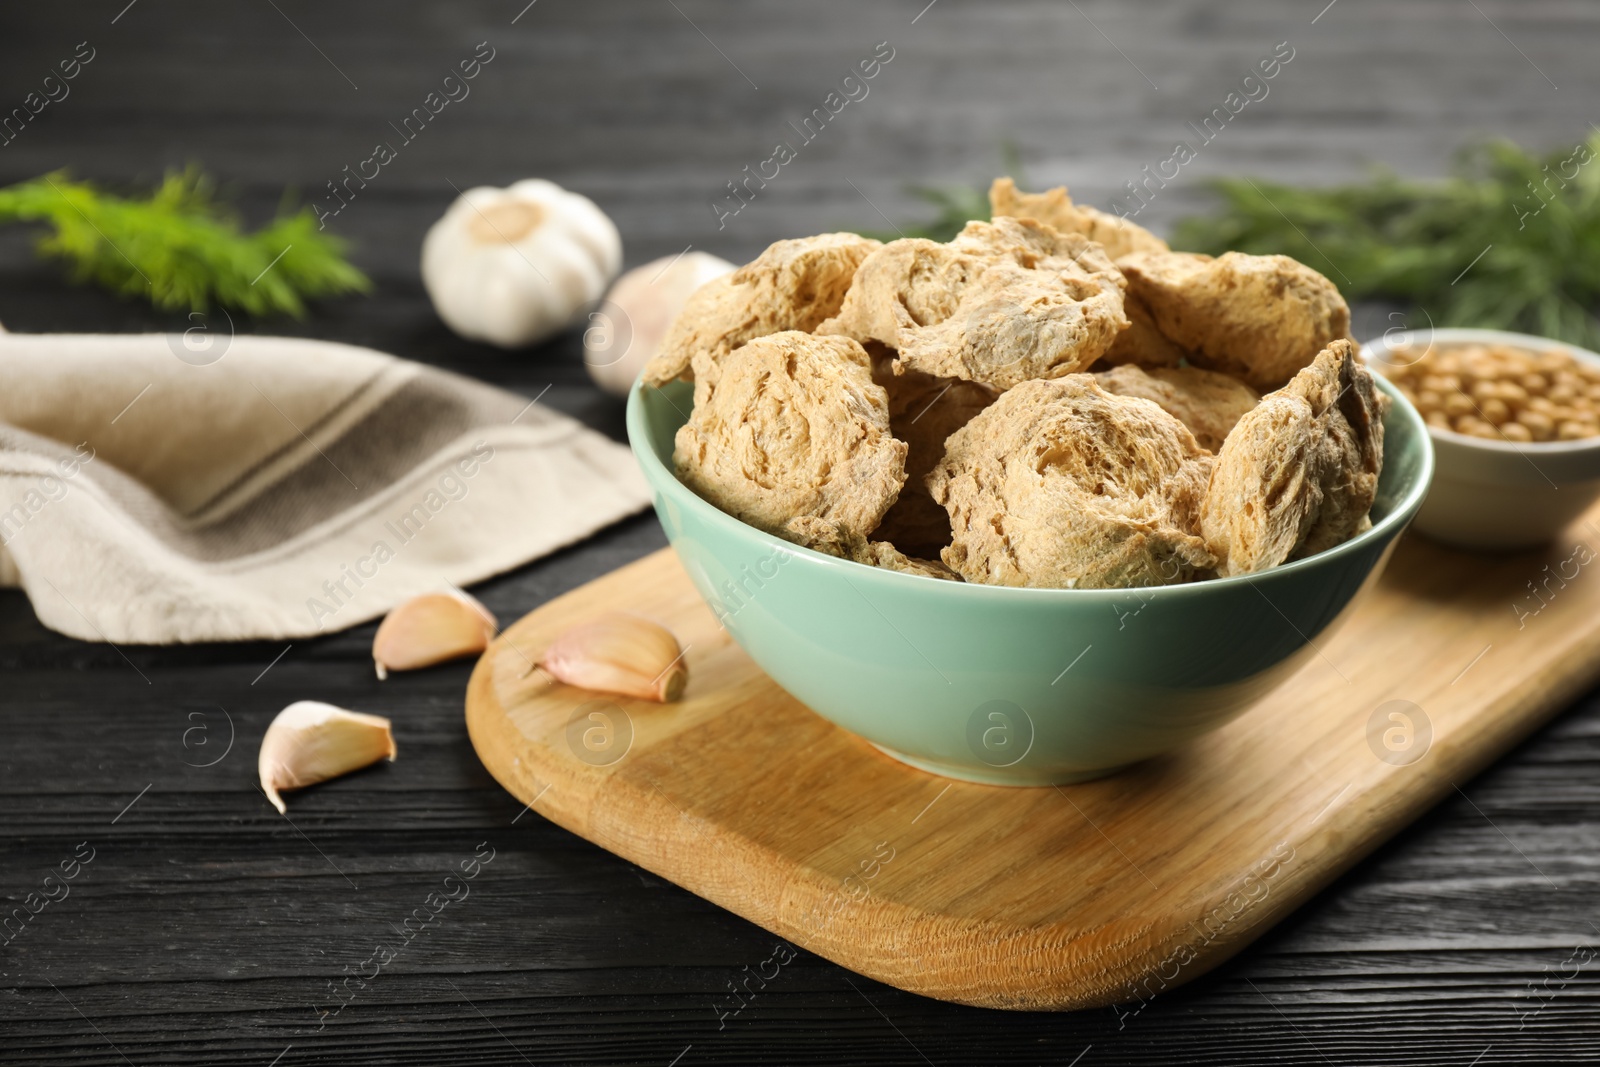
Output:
x=626 y=332
x=517 y=265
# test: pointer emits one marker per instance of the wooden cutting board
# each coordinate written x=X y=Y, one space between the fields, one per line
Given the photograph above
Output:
x=1056 y=897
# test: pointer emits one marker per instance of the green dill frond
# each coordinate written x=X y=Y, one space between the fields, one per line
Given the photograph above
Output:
x=1510 y=241
x=180 y=249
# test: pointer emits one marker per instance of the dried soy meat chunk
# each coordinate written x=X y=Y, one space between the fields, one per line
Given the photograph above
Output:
x=883 y=554
x=1005 y=302
x=1260 y=318
x=1059 y=484
x=793 y=285
x=790 y=435
x=1298 y=474
x=1207 y=402
x=1142 y=343
x=1055 y=208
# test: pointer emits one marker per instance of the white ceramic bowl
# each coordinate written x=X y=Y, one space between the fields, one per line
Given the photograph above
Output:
x=1499 y=494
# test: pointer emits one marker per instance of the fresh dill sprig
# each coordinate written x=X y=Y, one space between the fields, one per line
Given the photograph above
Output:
x=1510 y=241
x=180 y=249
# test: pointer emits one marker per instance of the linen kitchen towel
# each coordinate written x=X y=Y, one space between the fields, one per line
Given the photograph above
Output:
x=150 y=494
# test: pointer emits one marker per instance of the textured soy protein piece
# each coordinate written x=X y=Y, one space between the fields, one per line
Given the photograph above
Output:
x=1055 y=208
x=793 y=285
x=883 y=554
x=1142 y=343
x=790 y=434
x=1259 y=318
x=1059 y=484
x=1207 y=402
x=1004 y=302
x=1299 y=472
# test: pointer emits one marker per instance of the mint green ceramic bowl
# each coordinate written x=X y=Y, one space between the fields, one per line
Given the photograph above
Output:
x=1016 y=686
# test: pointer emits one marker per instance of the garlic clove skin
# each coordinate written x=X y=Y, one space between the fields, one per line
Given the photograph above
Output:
x=619 y=653
x=514 y=266
x=432 y=628
x=626 y=332
x=311 y=742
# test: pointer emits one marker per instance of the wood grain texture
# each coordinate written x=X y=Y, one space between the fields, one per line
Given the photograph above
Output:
x=1041 y=898
x=208 y=928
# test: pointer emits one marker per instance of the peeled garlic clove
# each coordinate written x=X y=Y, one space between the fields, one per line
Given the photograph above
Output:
x=619 y=653
x=430 y=629
x=310 y=742
x=626 y=332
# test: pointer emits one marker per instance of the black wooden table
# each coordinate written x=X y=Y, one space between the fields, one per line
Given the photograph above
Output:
x=208 y=929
